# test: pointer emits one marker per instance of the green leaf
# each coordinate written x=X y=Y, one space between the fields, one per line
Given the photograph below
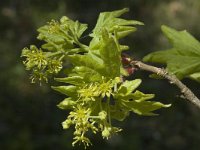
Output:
x=128 y=87
x=195 y=76
x=62 y=35
x=78 y=28
x=118 y=111
x=114 y=25
x=119 y=114
x=136 y=96
x=67 y=103
x=137 y=101
x=75 y=80
x=89 y=66
x=110 y=53
x=139 y=96
x=69 y=90
x=89 y=75
x=89 y=60
x=144 y=107
x=185 y=47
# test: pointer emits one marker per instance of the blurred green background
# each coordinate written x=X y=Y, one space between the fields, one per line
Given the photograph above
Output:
x=29 y=118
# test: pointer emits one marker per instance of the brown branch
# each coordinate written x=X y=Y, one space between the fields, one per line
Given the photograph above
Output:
x=188 y=94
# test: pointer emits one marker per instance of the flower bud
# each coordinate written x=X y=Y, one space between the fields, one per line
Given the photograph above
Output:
x=66 y=124
x=102 y=115
x=106 y=132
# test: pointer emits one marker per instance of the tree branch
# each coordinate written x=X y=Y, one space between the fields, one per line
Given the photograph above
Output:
x=188 y=94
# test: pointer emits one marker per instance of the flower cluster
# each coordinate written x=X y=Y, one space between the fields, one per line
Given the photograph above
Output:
x=41 y=63
x=83 y=121
x=84 y=118
x=35 y=58
x=103 y=89
x=88 y=92
x=53 y=26
x=80 y=117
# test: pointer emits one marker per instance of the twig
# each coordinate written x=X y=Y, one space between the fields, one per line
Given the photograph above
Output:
x=188 y=94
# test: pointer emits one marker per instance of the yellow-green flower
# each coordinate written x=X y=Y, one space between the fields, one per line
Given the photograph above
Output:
x=89 y=92
x=34 y=58
x=80 y=117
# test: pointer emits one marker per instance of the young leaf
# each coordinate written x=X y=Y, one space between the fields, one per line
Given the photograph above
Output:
x=114 y=25
x=89 y=64
x=89 y=75
x=110 y=53
x=185 y=47
x=195 y=76
x=67 y=103
x=119 y=113
x=69 y=90
x=75 y=80
x=137 y=102
x=144 y=107
x=140 y=97
x=89 y=60
x=62 y=35
x=128 y=87
x=112 y=22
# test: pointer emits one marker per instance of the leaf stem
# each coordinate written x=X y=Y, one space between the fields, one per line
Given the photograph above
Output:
x=188 y=94
x=54 y=54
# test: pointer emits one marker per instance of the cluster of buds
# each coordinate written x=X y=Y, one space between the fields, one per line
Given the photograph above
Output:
x=107 y=129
